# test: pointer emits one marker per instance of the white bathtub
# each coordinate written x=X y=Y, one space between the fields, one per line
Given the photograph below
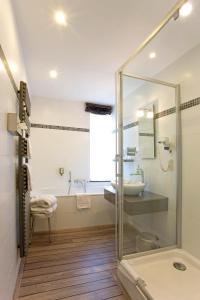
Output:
x=67 y=215
x=153 y=277
x=92 y=188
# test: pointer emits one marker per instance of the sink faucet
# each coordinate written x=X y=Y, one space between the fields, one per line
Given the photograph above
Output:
x=139 y=171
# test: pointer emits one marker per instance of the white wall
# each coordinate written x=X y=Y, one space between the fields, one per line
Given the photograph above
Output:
x=185 y=71
x=52 y=149
x=9 y=256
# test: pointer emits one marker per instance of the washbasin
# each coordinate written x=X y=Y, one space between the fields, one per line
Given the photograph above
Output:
x=131 y=187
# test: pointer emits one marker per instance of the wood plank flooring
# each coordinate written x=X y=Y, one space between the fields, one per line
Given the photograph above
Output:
x=77 y=265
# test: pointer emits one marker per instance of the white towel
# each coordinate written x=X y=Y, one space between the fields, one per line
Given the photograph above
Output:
x=44 y=211
x=83 y=201
x=43 y=201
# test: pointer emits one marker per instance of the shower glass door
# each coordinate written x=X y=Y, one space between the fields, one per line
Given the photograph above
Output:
x=148 y=147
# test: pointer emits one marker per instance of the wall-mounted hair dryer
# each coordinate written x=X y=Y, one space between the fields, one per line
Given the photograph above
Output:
x=166 y=144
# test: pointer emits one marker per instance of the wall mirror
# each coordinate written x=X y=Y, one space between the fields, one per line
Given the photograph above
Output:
x=146 y=132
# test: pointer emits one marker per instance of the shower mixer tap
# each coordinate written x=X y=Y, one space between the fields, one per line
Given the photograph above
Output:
x=70 y=177
x=70 y=182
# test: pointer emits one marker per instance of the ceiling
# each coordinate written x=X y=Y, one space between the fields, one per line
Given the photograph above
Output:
x=99 y=37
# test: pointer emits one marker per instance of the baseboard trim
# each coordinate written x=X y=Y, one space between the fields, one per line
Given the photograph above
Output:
x=77 y=229
x=19 y=279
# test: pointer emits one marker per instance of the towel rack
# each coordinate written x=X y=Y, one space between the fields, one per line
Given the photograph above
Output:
x=23 y=195
x=23 y=174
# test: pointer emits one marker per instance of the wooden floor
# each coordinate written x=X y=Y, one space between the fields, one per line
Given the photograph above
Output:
x=78 y=265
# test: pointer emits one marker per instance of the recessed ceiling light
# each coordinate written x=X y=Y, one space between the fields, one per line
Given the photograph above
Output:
x=53 y=74
x=152 y=55
x=186 y=9
x=60 y=18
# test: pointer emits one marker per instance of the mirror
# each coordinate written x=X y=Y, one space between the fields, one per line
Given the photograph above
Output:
x=146 y=132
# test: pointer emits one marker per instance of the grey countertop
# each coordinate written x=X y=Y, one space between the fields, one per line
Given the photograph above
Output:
x=147 y=202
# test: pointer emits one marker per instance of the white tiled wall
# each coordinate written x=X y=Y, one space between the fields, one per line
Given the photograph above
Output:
x=9 y=256
x=52 y=149
x=185 y=71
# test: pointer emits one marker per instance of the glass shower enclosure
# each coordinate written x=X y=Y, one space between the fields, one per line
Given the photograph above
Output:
x=147 y=165
x=148 y=168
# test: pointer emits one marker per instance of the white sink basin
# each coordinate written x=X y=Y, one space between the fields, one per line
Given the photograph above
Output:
x=131 y=188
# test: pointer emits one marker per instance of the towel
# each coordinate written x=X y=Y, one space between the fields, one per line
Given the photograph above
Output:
x=83 y=201
x=44 y=211
x=43 y=201
x=26 y=167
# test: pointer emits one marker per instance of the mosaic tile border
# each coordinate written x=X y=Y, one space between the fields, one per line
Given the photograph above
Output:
x=165 y=113
x=190 y=103
x=169 y=111
x=67 y=128
x=146 y=134
x=161 y=114
x=130 y=125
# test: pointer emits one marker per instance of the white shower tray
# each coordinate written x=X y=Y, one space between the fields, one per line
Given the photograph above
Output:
x=158 y=277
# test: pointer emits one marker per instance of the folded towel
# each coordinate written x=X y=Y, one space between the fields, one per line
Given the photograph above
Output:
x=44 y=211
x=83 y=201
x=43 y=201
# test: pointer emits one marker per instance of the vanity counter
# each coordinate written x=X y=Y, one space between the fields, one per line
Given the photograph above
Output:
x=145 y=203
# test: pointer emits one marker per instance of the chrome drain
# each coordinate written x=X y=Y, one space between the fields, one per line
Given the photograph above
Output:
x=179 y=266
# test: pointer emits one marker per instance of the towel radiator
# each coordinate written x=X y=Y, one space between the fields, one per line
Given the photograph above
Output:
x=23 y=173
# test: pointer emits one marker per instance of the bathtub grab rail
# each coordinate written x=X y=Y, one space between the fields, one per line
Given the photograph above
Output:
x=139 y=283
x=141 y=287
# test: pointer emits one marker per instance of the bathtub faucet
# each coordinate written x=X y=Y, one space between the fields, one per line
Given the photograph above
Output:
x=70 y=182
x=82 y=182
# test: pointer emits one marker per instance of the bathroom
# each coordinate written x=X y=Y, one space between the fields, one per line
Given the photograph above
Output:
x=112 y=137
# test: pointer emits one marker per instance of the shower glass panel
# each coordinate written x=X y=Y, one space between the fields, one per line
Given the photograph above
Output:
x=149 y=173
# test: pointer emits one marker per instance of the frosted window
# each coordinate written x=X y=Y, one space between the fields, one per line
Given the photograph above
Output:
x=102 y=144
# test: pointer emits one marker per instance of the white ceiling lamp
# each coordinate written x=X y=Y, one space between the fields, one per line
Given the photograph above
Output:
x=60 y=18
x=53 y=74
x=140 y=113
x=186 y=9
x=152 y=55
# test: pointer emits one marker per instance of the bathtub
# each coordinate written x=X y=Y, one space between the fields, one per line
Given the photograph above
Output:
x=67 y=216
x=154 y=277
x=92 y=188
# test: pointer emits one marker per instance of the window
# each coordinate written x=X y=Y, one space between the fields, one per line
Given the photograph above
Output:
x=102 y=147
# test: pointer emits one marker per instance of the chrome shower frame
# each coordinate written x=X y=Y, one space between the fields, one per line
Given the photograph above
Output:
x=119 y=140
